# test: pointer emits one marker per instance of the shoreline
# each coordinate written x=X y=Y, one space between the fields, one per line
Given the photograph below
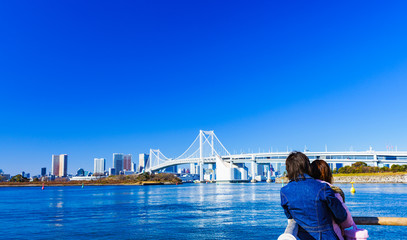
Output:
x=384 y=178
x=87 y=184
x=399 y=178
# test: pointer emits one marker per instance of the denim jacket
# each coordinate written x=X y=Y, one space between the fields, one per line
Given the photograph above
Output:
x=312 y=204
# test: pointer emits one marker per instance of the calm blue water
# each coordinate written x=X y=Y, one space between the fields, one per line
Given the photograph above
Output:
x=189 y=211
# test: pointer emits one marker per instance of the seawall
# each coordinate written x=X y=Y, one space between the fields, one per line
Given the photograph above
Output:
x=399 y=178
x=372 y=179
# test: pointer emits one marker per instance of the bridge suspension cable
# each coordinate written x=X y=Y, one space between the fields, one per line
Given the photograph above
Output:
x=208 y=146
x=186 y=151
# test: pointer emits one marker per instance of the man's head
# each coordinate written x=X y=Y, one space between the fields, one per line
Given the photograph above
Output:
x=297 y=164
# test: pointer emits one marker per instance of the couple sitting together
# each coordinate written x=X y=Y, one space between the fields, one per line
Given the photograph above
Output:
x=311 y=200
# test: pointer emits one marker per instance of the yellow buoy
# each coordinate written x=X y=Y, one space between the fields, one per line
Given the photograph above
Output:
x=352 y=190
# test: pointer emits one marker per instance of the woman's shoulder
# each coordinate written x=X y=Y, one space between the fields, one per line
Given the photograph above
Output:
x=338 y=190
x=322 y=184
x=318 y=180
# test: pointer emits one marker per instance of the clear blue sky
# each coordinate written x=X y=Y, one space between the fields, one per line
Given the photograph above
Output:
x=90 y=78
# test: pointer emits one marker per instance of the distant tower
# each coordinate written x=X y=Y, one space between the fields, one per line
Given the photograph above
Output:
x=43 y=172
x=127 y=162
x=60 y=165
x=118 y=162
x=133 y=167
x=142 y=158
x=63 y=165
x=99 y=165
x=55 y=165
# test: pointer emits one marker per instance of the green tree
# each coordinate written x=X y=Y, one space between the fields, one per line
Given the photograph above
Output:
x=359 y=164
x=396 y=168
x=384 y=169
x=344 y=169
x=19 y=178
x=143 y=177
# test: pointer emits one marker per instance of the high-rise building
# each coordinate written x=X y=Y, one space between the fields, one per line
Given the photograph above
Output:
x=127 y=162
x=63 y=165
x=60 y=165
x=25 y=175
x=99 y=165
x=118 y=162
x=133 y=167
x=142 y=158
x=194 y=168
x=43 y=172
x=55 y=165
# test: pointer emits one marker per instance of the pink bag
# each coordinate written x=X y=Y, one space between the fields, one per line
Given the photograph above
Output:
x=356 y=233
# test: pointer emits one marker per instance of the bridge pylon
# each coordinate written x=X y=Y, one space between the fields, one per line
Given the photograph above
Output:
x=205 y=146
x=155 y=158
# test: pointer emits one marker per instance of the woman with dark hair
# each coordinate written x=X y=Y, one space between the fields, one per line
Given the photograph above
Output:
x=310 y=203
x=321 y=171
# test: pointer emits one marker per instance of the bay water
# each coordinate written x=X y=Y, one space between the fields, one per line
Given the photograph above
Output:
x=187 y=211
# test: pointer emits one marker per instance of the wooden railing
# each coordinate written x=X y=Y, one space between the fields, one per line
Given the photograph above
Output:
x=290 y=232
x=389 y=221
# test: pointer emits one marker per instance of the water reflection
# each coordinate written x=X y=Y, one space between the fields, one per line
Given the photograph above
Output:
x=189 y=211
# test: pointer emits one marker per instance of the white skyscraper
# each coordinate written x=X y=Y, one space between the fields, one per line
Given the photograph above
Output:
x=133 y=167
x=99 y=165
x=60 y=165
x=142 y=161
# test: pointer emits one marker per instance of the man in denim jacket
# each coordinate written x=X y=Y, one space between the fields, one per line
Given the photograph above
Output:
x=310 y=203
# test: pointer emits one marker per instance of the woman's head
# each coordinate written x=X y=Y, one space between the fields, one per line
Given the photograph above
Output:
x=320 y=170
x=297 y=164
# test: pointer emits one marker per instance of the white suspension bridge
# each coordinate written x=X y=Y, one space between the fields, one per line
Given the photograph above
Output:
x=208 y=149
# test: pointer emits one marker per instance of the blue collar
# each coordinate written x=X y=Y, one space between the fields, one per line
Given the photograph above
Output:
x=307 y=176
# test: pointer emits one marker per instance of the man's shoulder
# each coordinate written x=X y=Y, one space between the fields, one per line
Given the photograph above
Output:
x=318 y=185
x=284 y=189
x=288 y=188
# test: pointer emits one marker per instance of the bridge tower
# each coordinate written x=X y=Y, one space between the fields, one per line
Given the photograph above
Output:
x=203 y=138
x=201 y=172
x=206 y=146
x=155 y=158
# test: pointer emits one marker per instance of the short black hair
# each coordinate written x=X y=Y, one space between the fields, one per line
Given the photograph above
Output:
x=297 y=164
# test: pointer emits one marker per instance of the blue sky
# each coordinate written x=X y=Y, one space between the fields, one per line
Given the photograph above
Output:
x=96 y=77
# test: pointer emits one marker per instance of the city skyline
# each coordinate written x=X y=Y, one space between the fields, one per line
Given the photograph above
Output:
x=136 y=75
x=138 y=166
